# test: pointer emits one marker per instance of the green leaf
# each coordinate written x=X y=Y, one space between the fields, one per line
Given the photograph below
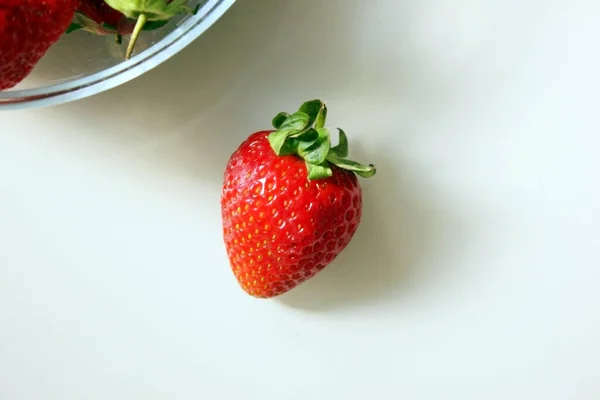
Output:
x=73 y=27
x=178 y=6
x=321 y=117
x=277 y=140
x=152 y=25
x=153 y=10
x=309 y=135
x=290 y=146
x=279 y=119
x=298 y=121
x=365 y=171
x=315 y=151
x=307 y=140
x=341 y=150
x=303 y=134
x=318 y=171
x=311 y=108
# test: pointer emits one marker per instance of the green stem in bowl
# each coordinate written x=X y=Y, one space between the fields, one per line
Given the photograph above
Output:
x=148 y=12
x=139 y=25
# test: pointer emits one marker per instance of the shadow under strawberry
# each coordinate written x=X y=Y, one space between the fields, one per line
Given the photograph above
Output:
x=393 y=251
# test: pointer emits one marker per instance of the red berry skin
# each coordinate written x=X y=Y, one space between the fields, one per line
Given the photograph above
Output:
x=280 y=228
x=104 y=20
x=28 y=28
x=100 y=12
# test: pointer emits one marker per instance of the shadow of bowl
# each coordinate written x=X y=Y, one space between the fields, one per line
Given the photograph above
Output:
x=188 y=115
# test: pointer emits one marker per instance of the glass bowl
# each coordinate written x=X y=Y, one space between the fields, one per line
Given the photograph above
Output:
x=82 y=64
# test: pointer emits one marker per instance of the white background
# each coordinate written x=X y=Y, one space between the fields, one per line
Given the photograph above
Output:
x=474 y=275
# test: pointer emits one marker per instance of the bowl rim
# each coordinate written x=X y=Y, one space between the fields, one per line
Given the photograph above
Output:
x=123 y=72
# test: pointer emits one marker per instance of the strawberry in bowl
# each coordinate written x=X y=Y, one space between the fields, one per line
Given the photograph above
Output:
x=48 y=56
x=28 y=29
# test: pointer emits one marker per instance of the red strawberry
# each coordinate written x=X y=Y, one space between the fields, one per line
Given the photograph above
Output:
x=290 y=202
x=155 y=12
x=100 y=12
x=28 y=28
x=97 y=17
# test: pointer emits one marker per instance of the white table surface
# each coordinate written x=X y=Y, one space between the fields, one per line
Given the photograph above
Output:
x=474 y=275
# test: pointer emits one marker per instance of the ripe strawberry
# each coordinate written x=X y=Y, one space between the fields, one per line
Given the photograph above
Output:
x=155 y=12
x=290 y=202
x=100 y=12
x=97 y=17
x=28 y=28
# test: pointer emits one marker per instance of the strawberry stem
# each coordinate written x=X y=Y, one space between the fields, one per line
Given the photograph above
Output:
x=139 y=25
x=303 y=134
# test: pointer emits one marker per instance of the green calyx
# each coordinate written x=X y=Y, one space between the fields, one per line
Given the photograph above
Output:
x=303 y=134
x=155 y=12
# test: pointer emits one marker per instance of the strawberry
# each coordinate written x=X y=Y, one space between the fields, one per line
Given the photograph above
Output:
x=28 y=28
x=155 y=12
x=97 y=17
x=101 y=13
x=290 y=202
